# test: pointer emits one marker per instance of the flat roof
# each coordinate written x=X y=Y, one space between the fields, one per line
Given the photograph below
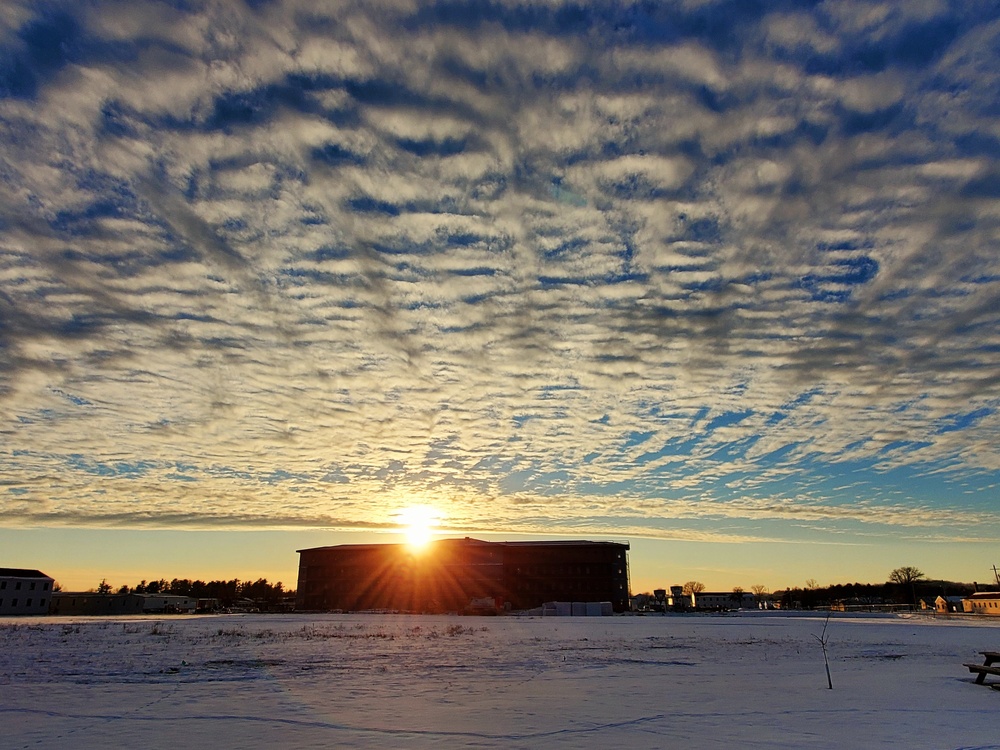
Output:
x=985 y=595
x=470 y=540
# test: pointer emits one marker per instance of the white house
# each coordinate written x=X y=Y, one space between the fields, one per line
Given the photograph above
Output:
x=24 y=592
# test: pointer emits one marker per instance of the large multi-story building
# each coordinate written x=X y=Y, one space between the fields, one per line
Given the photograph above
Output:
x=454 y=575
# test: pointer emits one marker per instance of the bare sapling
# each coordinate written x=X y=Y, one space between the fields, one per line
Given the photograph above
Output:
x=823 y=640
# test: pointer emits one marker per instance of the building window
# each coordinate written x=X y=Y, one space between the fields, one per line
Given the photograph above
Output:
x=27 y=602
x=17 y=586
x=13 y=602
x=41 y=603
x=32 y=585
x=3 y=584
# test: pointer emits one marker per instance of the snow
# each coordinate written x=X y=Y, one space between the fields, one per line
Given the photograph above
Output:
x=748 y=680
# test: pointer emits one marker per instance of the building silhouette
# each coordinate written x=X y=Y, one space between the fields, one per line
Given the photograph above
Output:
x=461 y=575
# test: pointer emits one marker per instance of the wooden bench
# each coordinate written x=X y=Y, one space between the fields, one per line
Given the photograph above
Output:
x=981 y=670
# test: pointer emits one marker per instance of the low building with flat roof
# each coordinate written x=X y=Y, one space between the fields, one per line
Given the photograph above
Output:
x=983 y=603
x=724 y=600
x=91 y=603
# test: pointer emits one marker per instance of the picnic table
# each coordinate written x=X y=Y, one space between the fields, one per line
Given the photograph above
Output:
x=981 y=670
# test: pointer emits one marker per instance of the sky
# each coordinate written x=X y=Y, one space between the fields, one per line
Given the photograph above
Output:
x=718 y=277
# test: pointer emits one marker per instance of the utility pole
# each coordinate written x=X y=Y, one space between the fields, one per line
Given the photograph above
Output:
x=996 y=575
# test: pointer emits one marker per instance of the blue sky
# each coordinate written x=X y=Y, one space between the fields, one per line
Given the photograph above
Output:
x=718 y=276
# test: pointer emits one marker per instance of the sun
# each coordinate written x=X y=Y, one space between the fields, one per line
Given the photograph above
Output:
x=419 y=522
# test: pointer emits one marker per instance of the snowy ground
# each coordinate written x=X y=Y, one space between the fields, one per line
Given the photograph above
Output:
x=324 y=681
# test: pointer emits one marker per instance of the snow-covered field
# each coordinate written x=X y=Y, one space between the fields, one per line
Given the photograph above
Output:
x=325 y=681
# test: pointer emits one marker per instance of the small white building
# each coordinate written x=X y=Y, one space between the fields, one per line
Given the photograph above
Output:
x=24 y=592
x=983 y=603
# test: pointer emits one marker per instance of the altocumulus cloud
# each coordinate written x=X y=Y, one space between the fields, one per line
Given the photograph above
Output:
x=690 y=269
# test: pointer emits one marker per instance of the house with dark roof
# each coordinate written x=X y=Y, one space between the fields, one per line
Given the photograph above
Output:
x=24 y=592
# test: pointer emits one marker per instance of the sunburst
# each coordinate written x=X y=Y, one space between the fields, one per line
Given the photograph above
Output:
x=419 y=523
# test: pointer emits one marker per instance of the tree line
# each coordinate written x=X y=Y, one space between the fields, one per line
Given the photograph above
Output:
x=228 y=593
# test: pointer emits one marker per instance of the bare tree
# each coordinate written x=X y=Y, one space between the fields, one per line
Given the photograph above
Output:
x=823 y=640
x=811 y=583
x=908 y=575
x=737 y=595
x=758 y=592
x=693 y=587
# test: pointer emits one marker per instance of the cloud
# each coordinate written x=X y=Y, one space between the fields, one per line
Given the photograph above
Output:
x=689 y=260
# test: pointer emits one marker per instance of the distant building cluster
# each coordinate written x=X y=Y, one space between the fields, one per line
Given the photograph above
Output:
x=676 y=600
